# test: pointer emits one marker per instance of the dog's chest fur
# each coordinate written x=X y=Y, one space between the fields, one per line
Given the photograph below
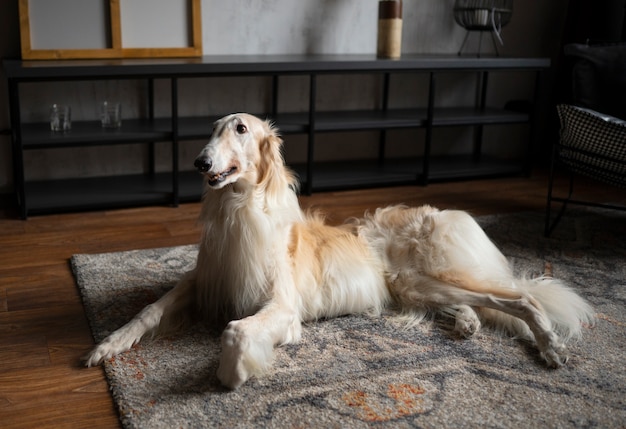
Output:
x=241 y=241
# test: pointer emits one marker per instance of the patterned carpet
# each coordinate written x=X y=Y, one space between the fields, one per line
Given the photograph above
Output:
x=358 y=371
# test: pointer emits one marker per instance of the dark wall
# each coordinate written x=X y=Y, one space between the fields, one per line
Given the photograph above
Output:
x=595 y=21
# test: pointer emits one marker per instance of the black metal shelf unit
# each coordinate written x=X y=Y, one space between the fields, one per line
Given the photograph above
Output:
x=175 y=186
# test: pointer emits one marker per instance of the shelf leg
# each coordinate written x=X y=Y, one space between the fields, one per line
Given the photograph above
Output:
x=311 y=143
x=18 y=152
x=481 y=103
x=382 y=142
x=275 y=82
x=151 y=153
x=533 y=141
x=423 y=178
x=175 y=179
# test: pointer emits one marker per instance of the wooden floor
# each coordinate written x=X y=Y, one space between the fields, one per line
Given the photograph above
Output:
x=43 y=330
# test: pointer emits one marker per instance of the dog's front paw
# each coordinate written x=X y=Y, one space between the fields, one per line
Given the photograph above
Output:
x=232 y=371
x=243 y=354
x=116 y=343
x=99 y=354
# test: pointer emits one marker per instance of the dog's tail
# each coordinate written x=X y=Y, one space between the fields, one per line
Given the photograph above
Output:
x=567 y=311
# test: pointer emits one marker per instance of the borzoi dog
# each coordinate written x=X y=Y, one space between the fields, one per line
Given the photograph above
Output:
x=265 y=266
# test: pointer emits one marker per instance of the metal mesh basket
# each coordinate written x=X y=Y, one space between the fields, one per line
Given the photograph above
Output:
x=483 y=15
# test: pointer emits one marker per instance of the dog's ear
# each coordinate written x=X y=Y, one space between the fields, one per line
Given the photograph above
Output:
x=269 y=148
x=272 y=170
x=271 y=142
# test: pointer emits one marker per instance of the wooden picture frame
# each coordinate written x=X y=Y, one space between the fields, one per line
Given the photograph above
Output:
x=47 y=28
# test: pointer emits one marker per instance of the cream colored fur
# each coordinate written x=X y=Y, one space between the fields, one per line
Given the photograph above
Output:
x=264 y=266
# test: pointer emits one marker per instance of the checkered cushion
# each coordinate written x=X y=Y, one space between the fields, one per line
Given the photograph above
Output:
x=593 y=144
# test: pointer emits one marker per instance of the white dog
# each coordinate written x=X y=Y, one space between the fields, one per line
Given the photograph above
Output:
x=266 y=266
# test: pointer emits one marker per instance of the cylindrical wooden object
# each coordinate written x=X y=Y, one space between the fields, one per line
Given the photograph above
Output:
x=389 y=29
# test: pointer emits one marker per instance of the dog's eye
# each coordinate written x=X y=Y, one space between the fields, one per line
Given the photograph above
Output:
x=241 y=129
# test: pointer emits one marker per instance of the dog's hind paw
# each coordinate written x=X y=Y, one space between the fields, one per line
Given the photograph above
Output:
x=555 y=356
x=466 y=322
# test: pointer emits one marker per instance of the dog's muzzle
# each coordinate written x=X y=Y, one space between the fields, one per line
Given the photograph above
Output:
x=204 y=166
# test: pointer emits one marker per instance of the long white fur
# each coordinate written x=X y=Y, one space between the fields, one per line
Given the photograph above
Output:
x=264 y=266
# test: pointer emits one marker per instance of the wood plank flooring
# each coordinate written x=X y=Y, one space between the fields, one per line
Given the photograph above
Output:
x=43 y=329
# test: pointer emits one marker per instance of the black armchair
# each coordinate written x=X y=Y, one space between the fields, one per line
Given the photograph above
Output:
x=593 y=127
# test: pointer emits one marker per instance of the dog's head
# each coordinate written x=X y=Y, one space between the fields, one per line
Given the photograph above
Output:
x=242 y=147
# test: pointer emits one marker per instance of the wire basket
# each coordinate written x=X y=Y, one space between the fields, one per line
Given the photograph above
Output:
x=483 y=15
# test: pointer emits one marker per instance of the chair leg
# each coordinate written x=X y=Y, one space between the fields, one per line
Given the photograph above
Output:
x=550 y=227
x=547 y=229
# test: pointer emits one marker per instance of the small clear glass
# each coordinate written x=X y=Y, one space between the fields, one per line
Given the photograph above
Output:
x=60 y=118
x=111 y=114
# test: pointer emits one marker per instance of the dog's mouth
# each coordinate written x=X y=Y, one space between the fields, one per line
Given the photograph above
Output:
x=217 y=178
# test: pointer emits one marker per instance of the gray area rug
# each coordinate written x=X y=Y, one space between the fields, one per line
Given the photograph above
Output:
x=359 y=371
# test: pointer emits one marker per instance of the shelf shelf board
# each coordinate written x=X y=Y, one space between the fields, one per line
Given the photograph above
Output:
x=200 y=127
x=140 y=190
x=360 y=120
x=450 y=116
x=337 y=175
x=413 y=118
x=256 y=65
x=457 y=167
x=39 y=136
x=369 y=120
x=98 y=192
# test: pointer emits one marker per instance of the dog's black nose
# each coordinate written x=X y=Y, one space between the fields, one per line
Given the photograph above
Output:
x=202 y=164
